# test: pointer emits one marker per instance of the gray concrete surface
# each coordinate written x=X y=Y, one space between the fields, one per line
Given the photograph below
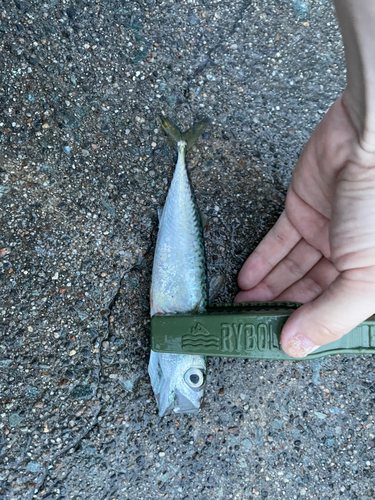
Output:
x=83 y=169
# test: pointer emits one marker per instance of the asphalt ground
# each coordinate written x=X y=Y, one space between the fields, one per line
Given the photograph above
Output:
x=83 y=169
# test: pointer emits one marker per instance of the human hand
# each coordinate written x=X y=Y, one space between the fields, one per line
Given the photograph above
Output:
x=321 y=251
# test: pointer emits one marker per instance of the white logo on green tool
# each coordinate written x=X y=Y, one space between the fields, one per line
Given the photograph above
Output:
x=199 y=339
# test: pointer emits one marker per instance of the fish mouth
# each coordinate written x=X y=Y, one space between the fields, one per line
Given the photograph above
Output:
x=181 y=403
x=185 y=405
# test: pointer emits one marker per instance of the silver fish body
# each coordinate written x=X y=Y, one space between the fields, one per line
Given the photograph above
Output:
x=179 y=285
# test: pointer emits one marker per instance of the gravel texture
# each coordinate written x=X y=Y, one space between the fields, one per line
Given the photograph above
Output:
x=83 y=169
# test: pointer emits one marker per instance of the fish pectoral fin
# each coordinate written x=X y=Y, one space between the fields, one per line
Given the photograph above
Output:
x=160 y=213
x=215 y=286
x=204 y=218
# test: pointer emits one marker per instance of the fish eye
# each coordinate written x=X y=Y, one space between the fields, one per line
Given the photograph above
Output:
x=194 y=378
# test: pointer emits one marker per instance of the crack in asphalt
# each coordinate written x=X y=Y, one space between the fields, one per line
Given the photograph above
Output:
x=47 y=494
x=105 y=314
x=42 y=477
x=208 y=61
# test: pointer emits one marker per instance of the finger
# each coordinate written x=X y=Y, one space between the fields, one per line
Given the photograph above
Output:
x=311 y=224
x=292 y=268
x=312 y=284
x=348 y=301
x=274 y=247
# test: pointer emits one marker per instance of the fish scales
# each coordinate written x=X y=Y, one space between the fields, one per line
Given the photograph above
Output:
x=179 y=283
x=179 y=277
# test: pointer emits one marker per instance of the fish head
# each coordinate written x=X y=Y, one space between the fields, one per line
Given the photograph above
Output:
x=178 y=381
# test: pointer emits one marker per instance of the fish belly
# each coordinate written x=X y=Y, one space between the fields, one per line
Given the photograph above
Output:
x=178 y=278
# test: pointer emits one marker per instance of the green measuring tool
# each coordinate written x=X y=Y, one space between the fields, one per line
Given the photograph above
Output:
x=245 y=331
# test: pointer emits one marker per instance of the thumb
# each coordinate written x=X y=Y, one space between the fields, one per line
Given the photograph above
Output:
x=348 y=301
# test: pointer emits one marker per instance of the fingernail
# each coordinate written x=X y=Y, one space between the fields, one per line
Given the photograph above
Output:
x=300 y=346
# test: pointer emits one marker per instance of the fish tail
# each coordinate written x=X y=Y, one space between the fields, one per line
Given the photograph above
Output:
x=189 y=137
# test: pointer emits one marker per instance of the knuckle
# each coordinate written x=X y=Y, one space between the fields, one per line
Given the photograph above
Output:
x=267 y=291
x=292 y=266
x=330 y=333
x=266 y=263
x=279 y=238
x=313 y=287
x=355 y=259
x=359 y=281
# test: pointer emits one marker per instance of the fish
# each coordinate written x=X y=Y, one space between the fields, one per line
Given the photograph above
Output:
x=179 y=281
